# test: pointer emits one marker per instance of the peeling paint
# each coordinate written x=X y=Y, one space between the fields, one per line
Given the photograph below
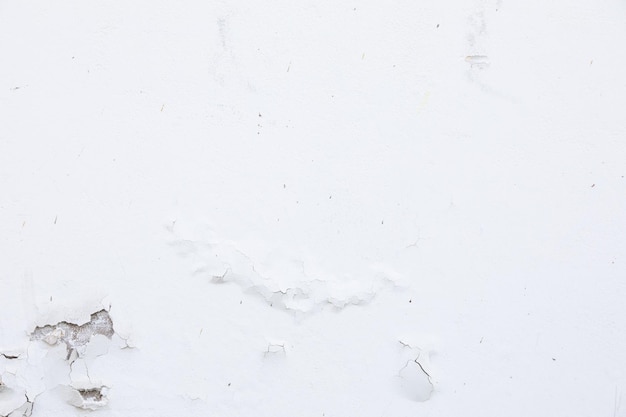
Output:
x=74 y=336
x=374 y=209
x=89 y=398
x=24 y=410
x=43 y=366
x=13 y=404
x=414 y=382
x=284 y=281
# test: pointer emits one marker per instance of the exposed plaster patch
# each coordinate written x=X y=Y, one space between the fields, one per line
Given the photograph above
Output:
x=91 y=398
x=74 y=336
x=40 y=367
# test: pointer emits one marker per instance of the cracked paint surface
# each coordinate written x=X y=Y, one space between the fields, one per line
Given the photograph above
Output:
x=413 y=379
x=282 y=279
x=90 y=398
x=319 y=209
x=42 y=367
x=75 y=337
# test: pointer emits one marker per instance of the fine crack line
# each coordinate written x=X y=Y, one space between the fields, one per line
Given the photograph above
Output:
x=6 y=356
x=276 y=345
x=423 y=370
x=27 y=412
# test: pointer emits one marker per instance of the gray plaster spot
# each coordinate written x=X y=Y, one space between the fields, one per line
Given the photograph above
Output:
x=75 y=336
x=91 y=398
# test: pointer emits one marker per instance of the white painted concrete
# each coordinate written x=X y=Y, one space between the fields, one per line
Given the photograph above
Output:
x=312 y=208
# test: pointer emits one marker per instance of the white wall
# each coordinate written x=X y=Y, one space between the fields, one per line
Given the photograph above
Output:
x=314 y=208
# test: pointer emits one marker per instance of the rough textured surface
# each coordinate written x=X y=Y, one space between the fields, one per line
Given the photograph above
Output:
x=40 y=369
x=74 y=336
x=90 y=398
x=282 y=279
x=312 y=208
